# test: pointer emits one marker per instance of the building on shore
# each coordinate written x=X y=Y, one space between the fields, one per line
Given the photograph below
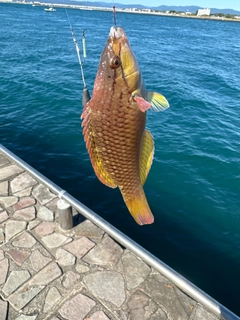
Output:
x=204 y=12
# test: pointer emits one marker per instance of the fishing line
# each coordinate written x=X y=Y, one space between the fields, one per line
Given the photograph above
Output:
x=114 y=16
x=86 y=95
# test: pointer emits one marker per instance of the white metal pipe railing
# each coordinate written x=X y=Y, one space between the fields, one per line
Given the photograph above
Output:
x=186 y=286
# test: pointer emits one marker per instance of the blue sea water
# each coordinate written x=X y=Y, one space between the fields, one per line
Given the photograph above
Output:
x=194 y=185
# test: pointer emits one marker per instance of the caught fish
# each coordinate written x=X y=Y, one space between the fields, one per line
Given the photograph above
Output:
x=120 y=148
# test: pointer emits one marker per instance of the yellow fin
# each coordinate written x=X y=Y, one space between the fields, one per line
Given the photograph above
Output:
x=158 y=101
x=139 y=208
x=102 y=175
x=146 y=156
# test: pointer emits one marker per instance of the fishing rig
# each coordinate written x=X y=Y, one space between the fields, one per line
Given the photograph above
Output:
x=86 y=95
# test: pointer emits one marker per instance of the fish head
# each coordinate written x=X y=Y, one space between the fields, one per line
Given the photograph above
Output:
x=118 y=64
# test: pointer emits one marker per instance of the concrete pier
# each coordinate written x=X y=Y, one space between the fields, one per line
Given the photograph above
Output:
x=81 y=273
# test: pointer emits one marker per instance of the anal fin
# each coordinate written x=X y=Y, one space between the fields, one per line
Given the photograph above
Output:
x=146 y=156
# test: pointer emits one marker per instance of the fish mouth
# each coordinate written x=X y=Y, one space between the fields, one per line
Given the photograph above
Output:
x=117 y=33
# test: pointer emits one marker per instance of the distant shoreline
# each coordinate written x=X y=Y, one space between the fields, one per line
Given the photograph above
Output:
x=124 y=10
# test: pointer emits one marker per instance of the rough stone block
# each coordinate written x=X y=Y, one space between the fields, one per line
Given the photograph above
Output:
x=4 y=188
x=9 y=171
x=25 y=240
x=18 y=256
x=106 y=285
x=12 y=228
x=135 y=271
x=42 y=194
x=38 y=260
x=22 y=182
x=24 y=203
x=77 y=307
x=3 y=310
x=15 y=280
x=4 y=265
x=52 y=297
x=106 y=253
x=7 y=202
x=55 y=240
x=80 y=247
x=88 y=229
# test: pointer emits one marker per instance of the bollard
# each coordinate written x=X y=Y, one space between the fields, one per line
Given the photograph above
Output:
x=65 y=215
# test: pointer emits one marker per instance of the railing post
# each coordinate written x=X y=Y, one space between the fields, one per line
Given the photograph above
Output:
x=64 y=215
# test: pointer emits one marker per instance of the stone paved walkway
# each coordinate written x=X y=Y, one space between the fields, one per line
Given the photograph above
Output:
x=82 y=274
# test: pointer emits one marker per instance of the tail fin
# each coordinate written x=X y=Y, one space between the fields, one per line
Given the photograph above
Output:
x=138 y=207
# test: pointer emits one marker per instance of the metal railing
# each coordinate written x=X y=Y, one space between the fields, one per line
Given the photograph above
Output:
x=186 y=286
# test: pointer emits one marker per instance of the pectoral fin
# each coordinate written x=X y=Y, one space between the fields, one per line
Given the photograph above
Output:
x=154 y=101
x=158 y=102
x=146 y=156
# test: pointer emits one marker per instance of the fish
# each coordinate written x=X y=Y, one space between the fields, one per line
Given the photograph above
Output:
x=120 y=148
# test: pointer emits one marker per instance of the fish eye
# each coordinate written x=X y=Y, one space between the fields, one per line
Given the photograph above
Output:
x=115 y=62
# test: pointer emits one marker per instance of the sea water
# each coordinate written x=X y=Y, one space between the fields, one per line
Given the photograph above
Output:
x=193 y=187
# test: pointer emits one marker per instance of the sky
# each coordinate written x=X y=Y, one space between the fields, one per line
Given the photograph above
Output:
x=220 y=4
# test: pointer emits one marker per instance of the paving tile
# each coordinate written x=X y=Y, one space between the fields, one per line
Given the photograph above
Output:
x=3 y=310
x=135 y=271
x=12 y=228
x=25 y=317
x=38 y=260
x=65 y=258
x=173 y=301
x=45 y=214
x=15 y=280
x=23 y=296
x=141 y=306
x=3 y=160
x=77 y=307
x=99 y=315
x=9 y=171
x=2 y=236
x=52 y=297
x=22 y=182
x=107 y=285
x=201 y=314
x=1 y=255
x=3 y=216
x=88 y=229
x=70 y=279
x=32 y=224
x=46 y=275
x=24 y=193
x=26 y=214
x=45 y=228
x=105 y=253
x=7 y=202
x=25 y=240
x=24 y=202
x=18 y=256
x=55 y=240
x=4 y=188
x=80 y=247
x=42 y=194
x=52 y=205
x=4 y=266
x=80 y=268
